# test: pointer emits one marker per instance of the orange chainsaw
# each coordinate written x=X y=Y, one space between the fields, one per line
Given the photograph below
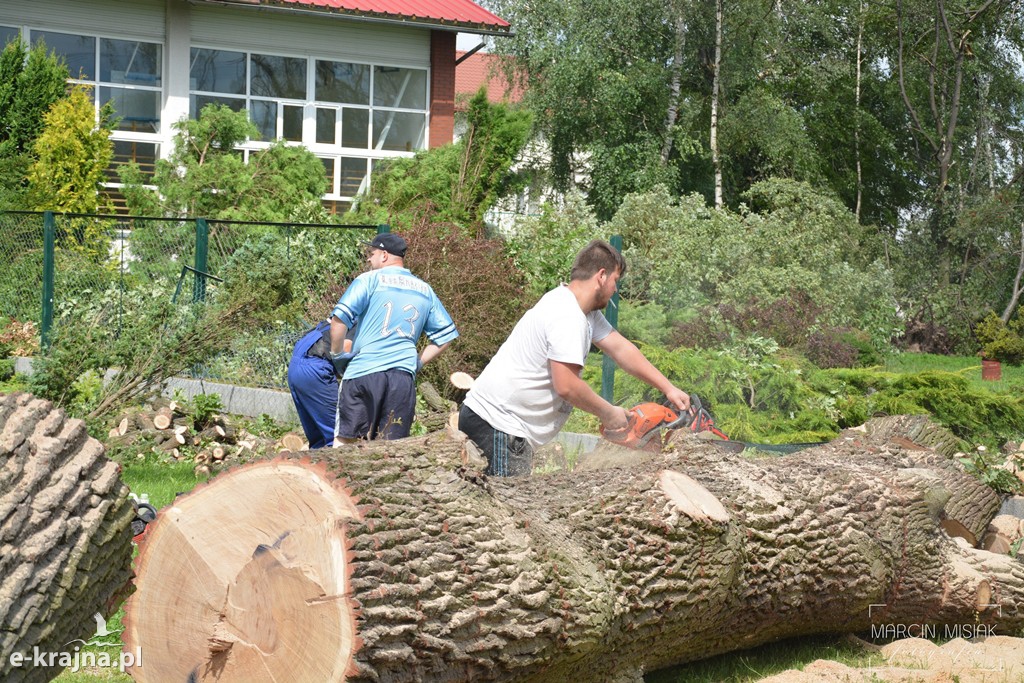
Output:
x=650 y=426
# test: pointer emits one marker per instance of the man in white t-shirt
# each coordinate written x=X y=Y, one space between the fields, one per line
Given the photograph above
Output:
x=527 y=391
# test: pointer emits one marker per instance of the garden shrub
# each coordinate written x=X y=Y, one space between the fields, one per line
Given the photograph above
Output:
x=1000 y=341
x=479 y=286
x=828 y=349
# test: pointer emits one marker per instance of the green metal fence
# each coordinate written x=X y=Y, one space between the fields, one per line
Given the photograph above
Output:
x=56 y=268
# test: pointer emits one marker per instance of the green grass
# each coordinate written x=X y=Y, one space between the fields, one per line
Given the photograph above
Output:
x=767 y=660
x=967 y=366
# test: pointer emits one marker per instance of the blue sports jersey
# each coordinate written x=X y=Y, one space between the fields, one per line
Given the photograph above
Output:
x=393 y=308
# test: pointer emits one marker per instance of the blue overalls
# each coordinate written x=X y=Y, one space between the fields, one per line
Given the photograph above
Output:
x=314 y=387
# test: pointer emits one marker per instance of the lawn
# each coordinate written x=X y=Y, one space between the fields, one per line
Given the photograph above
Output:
x=968 y=366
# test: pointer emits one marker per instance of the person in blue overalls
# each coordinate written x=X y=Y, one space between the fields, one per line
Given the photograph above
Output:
x=314 y=385
x=393 y=308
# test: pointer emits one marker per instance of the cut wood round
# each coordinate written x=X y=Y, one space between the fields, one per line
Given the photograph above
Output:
x=163 y=419
x=398 y=561
x=122 y=426
x=276 y=585
x=461 y=380
x=65 y=535
x=292 y=442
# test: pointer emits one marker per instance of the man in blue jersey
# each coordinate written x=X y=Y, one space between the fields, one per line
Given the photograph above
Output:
x=393 y=308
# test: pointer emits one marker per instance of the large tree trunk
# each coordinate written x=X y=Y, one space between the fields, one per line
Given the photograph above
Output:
x=65 y=536
x=397 y=562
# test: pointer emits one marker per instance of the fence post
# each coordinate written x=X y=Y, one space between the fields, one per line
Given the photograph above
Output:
x=202 y=247
x=611 y=312
x=49 y=247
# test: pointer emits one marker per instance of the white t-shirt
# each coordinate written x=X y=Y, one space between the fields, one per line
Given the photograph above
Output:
x=514 y=393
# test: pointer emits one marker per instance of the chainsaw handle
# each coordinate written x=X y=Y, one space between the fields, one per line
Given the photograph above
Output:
x=686 y=416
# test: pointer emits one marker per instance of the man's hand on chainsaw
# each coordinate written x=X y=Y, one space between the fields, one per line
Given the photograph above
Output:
x=679 y=398
x=620 y=428
x=617 y=420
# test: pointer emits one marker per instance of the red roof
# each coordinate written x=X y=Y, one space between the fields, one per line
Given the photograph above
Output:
x=457 y=14
x=483 y=68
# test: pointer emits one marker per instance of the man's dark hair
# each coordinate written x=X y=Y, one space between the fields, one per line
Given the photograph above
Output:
x=595 y=256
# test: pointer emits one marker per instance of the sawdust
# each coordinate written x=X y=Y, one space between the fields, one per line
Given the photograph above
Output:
x=995 y=659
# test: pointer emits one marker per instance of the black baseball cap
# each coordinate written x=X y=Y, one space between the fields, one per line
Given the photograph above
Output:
x=389 y=242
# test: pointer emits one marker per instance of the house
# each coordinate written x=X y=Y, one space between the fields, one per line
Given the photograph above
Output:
x=355 y=81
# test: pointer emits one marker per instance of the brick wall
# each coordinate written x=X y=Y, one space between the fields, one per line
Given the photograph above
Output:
x=442 y=87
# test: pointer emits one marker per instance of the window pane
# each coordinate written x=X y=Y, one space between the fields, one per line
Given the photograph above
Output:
x=264 y=115
x=355 y=128
x=129 y=61
x=7 y=34
x=353 y=173
x=292 y=129
x=394 y=87
x=326 y=126
x=197 y=102
x=278 y=77
x=142 y=153
x=139 y=109
x=397 y=131
x=218 y=71
x=329 y=172
x=78 y=51
x=342 y=82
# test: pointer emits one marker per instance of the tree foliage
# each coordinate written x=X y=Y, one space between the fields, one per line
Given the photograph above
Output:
x=207 y=176
x=71 y=155
x=788 y=240
x=30 y=82
x=907 y=112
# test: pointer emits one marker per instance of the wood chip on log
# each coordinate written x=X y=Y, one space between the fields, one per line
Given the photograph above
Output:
x=65 y=534
x=394 y=561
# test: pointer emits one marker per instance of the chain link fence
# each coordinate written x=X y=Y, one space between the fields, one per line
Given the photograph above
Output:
x=60 y=270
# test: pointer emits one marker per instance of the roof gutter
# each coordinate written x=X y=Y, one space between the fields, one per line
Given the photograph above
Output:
x=256 y=5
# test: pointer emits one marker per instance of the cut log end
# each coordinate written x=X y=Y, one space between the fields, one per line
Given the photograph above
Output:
x=461 y=380
x=270 y=604
x=692 y=499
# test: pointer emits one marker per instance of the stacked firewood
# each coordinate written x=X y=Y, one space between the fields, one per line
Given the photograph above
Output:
x=165 y=427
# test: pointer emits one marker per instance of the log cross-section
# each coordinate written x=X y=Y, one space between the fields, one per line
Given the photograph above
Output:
x=394 y=561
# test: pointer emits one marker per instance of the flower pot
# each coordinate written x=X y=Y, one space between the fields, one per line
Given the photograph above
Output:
x=991 y=370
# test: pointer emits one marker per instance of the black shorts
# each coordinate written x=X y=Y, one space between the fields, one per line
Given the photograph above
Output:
x=380 y=405
x=507 y=455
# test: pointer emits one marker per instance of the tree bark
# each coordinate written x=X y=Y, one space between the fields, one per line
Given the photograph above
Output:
x=65 y=535
x=716 y=86
x=394 y=561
